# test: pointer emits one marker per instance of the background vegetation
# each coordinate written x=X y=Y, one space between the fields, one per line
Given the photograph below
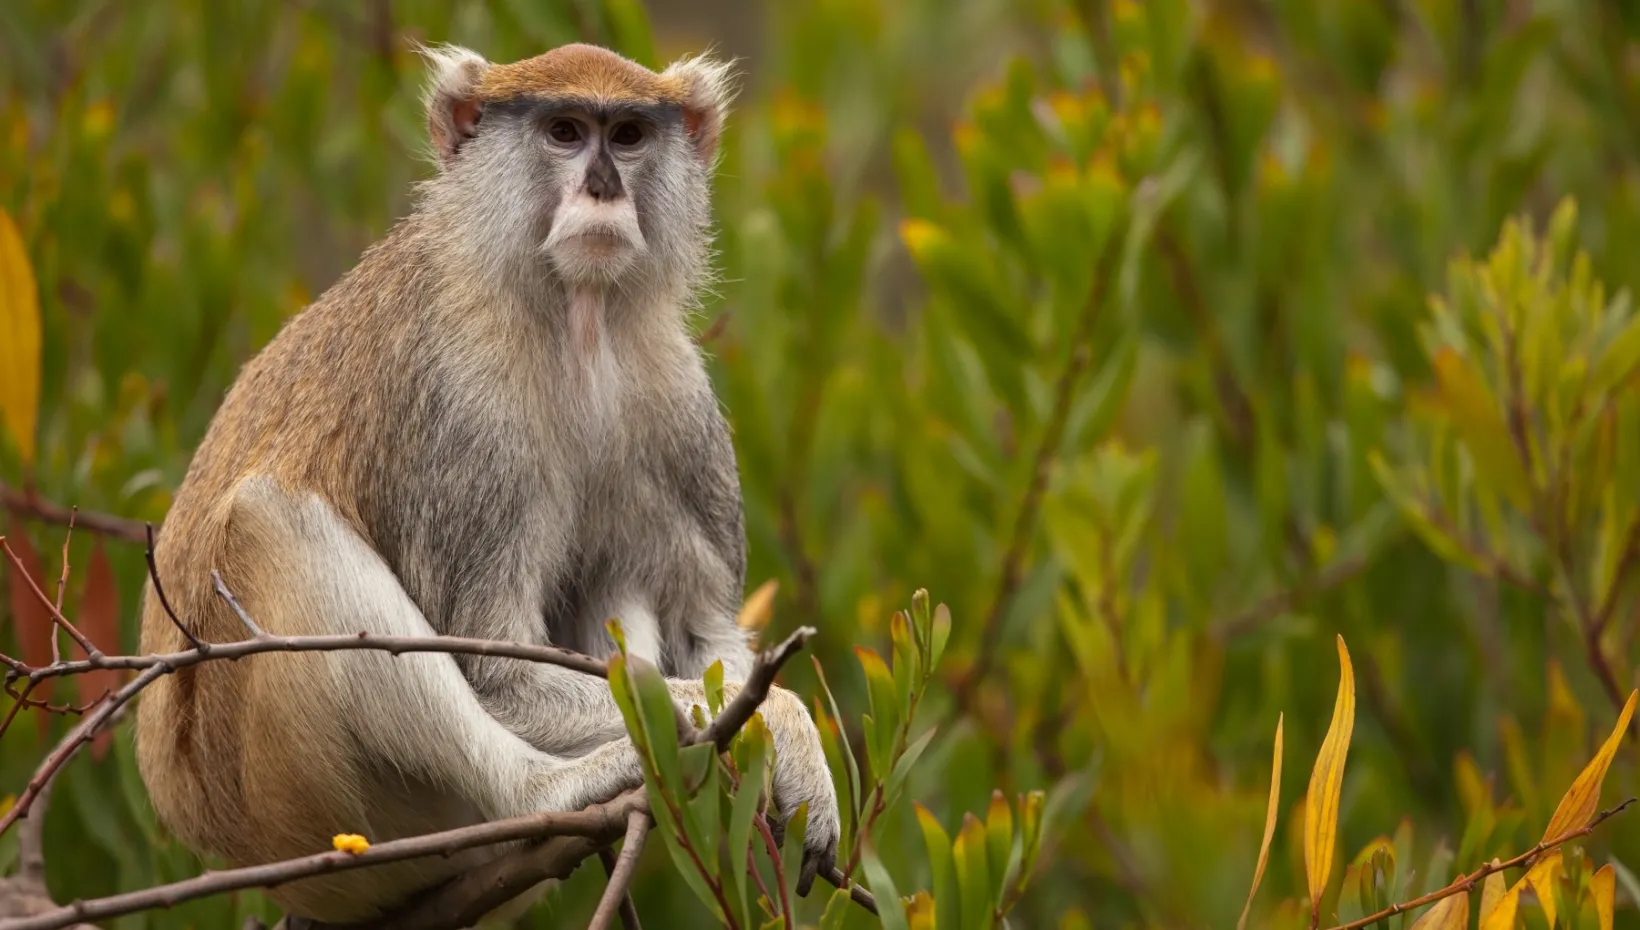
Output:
x=1144 y=336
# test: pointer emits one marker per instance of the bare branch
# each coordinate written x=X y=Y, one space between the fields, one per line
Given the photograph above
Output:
x=753 y=691
x=233 y=602
x=601 y=822
x=56 y=614
x=616 y=896
x=159 y=590
x=32 y=506
x=1464 y=883
x=106 y=713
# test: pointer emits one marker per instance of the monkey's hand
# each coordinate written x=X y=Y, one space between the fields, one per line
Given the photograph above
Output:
x=800 y=775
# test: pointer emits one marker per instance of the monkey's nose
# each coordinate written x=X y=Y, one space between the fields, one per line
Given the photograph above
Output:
x=603 y=181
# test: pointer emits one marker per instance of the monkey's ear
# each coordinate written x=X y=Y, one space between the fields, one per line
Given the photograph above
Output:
x=453 y=105
x=708 y=88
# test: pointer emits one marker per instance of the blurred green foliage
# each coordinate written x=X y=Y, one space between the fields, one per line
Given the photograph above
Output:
x=1160 y=341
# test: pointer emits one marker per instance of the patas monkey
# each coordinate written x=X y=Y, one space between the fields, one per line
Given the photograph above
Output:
x=496 y=425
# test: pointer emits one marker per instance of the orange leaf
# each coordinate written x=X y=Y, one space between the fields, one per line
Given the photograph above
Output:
x=35 y=628
x=1542 y=877
x=99 y=620
x=755 y=613
x=1270 y=812
x=1578 y=807
x=1501 y=915
x=19 y=341
x=1449 y=913
x=1603 y=888
x=1327 y=784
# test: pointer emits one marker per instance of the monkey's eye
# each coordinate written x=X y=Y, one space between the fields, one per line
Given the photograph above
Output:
x=564 y=131
x=626 y=135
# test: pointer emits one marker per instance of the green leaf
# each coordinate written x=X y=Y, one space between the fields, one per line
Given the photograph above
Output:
x=713 y=680
x=842 y=739
x=973 y=874
x=881 y=885
x=755 y=746
x=938 y=842
x=885 y=709
x=999 y=840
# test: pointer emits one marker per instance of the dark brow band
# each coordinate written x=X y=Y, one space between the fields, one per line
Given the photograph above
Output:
x=659 y=112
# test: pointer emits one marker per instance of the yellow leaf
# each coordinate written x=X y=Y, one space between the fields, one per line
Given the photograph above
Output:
x=1270 y=812
x=6 y=804
x=1501 y=916
x=350 y=842
x=755 y=613
x=1492 y=894
x=1603 y=889
x=19 y=341
x=1449 y=913
x=919 y=911
x=1577 y=808
x=1542 y=878
x=1327 y=783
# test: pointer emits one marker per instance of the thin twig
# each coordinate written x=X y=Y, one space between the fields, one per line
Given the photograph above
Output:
x=752 y=692
x=856 y=893
x=334 y=642
x=621 y=869
x=62 y=585
x=56 y=615
x=77 y=737
x=159 y=591
x=594 y=822
x=762 y=824
x=1464 y=883
x=233 y=603
x=43 y=511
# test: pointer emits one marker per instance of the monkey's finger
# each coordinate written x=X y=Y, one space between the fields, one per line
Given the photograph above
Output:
x=805 y=878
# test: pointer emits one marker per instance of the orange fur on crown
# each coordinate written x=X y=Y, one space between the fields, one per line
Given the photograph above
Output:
x=583 y=71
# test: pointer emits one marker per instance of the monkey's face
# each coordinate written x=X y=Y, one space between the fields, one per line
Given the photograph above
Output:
x=581 y=162
x=601 y=166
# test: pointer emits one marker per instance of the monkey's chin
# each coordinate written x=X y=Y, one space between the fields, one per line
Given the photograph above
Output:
x=593 y=257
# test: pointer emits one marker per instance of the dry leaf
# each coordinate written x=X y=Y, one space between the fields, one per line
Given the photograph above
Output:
x=1327 y=783
x=19 y=341
x=1603 y=889
x=759 y=607
x=34 y=624
x=1542 y=878
x=1501 y=915
x=1449 y=913
x=1492 y=893
x=1270 y=812
x=99 y=620
x=1578 y=807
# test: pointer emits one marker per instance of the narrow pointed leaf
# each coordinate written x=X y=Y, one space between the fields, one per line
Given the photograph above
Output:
x=1270 y=812
x=19 y=341
x=1578 y=806
x=973 y=874
x=1502 y=914
x=1492 y=892
x=939 y=864
x=1603 y=889
x=890 y=910
x=1327 y=783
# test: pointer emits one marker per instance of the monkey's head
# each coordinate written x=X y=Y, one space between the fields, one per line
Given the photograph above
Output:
x=578 y=161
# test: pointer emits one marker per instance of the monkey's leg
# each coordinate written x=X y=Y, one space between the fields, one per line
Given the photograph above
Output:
x=411 y=718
